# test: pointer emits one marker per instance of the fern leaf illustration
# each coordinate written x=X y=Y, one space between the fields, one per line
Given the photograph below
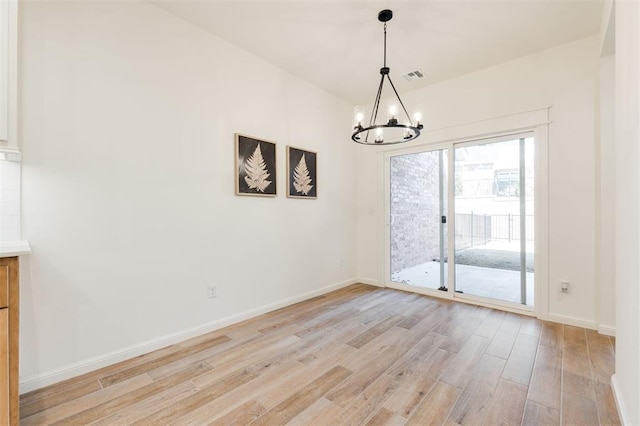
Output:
x=301 y=178
x=256 y=170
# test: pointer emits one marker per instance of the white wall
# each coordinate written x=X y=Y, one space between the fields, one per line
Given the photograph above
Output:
x=605 y=196
x=564 y=78
x=128 y=121
x=626 y=381
x=9 y=200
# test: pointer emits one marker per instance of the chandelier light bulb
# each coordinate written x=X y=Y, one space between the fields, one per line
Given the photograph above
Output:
x=358 y=117
x=379 y=136
x=418 y=117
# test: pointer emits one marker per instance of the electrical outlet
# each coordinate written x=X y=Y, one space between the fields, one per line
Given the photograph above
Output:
x=212 y=291
x=564 y=286
x=341 y=263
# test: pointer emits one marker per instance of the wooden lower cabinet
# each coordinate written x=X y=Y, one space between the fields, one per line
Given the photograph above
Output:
x=4 y=366
x=9 y=317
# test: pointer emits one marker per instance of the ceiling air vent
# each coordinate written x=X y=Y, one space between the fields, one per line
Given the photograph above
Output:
x=413 y=75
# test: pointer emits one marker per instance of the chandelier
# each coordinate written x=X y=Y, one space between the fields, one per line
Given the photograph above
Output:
x=397 y=129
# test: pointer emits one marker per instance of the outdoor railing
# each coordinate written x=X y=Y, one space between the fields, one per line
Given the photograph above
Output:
x=475 y=229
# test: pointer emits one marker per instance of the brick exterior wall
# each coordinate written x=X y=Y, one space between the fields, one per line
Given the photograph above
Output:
x=415 y=230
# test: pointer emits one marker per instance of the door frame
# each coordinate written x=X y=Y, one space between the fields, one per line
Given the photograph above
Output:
x=387 y=216
x=471 y=134
x=487 y=141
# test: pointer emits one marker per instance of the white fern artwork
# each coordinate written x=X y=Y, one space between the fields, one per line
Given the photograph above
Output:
x=256 y=170
x=301 y=179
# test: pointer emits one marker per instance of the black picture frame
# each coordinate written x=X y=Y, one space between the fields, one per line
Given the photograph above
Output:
x=255 y=167
x=302 y=173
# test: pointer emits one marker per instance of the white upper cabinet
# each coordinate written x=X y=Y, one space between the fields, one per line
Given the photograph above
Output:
x=8 y=73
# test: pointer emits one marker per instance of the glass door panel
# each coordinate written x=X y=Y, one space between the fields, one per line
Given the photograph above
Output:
x=418 y=232
x=494 y=220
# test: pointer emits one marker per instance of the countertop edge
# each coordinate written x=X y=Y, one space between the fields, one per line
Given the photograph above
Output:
x=14 y=248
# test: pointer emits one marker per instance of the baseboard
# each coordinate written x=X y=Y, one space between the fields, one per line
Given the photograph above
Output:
x=576 y=322
x=622 y=412
x=607 y=330
x=370 y=281
x=47 y=378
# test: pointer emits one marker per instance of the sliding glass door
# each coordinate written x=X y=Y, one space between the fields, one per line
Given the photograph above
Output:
x=485 y=190
x=418 y=211
x=494 y=219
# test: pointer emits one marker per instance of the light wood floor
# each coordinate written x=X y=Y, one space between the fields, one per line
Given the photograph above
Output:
x=360 y=355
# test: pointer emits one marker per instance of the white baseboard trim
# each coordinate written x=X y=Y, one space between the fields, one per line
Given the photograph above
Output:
x=607 y=330
x=50 y=377
x=370 y=281
x=622 y=411
x=576 y=322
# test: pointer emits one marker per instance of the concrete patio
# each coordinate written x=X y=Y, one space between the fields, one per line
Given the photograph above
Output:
x=495 y=283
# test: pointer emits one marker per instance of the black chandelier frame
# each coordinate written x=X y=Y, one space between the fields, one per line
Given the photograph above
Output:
x=412 y=131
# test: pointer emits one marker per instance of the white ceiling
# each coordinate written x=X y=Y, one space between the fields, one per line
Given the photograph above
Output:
x=338 y=45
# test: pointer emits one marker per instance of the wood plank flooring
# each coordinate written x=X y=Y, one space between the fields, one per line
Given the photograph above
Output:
x=357 y=356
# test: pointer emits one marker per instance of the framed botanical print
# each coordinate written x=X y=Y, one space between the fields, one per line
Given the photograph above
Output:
x=301 y=173
x=255 y=166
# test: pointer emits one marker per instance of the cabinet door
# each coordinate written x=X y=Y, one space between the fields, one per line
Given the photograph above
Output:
x=4 y=71
x=4 y=366
x=8 y=72
x=4 y=286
